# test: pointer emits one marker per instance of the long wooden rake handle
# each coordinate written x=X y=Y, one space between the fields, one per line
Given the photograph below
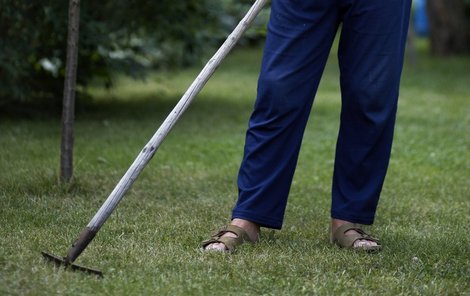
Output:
x=89 y=232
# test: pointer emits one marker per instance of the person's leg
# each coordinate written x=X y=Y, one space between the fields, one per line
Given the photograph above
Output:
x=300 y=34
x=371 y=57
x=299 y=39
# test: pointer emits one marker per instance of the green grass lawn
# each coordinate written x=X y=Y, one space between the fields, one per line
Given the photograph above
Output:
x=150 y=245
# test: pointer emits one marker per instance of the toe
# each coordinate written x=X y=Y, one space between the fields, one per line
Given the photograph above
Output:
x=215 y=247
x=364 y=243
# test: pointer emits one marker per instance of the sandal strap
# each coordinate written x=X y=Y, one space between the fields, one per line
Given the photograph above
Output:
x=229 y=242
x=347 y=241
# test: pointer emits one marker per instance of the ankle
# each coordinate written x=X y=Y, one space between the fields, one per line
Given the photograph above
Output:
x=252 y=229
x=336 y=223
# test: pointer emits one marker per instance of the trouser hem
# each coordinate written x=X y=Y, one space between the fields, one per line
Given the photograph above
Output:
x=267 y=222
x=365 y=220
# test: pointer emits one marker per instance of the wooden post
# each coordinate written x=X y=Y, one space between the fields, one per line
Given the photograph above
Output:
x=68 y=105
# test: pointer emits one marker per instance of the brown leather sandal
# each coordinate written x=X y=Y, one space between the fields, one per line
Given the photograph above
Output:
x=343 y=240
x=230 y=242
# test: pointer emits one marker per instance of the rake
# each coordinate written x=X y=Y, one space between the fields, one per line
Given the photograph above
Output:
x=149 y=150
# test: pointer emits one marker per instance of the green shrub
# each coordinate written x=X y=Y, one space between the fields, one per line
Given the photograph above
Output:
x=115 y=36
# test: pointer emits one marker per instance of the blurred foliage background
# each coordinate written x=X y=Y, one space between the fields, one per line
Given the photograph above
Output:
x=134 y=36
x=118 y=36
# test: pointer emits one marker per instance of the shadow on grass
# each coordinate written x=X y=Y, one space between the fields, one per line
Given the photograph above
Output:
x=140 y=108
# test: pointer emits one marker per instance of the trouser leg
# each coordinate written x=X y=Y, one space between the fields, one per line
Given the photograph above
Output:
x=371 y=58
x=300 y=34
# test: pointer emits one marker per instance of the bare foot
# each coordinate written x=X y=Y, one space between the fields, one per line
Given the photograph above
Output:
x=252 y=230
x=335 y=223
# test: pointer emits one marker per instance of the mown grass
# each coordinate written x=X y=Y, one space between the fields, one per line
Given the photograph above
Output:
x=149 y=246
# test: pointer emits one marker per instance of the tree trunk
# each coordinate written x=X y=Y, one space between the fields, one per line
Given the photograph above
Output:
x=410 y=45
x=449 y=24
x=68 y=107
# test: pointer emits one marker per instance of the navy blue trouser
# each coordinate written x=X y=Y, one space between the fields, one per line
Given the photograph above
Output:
x=299 y=39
